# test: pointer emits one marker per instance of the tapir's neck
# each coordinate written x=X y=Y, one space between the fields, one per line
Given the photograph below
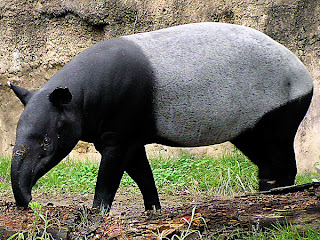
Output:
x=111 y=84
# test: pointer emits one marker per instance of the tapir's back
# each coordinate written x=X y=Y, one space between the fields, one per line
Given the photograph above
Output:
x=214 y=80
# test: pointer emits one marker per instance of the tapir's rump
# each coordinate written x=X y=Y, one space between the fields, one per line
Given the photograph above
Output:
x=215 y=80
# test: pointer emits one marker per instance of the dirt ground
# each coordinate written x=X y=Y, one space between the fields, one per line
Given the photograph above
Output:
x=125 y=203
x=204 y=214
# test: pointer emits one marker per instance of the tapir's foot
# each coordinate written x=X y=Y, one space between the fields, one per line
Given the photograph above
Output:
x=152 y=206
x=101 y=205
x=267 y=184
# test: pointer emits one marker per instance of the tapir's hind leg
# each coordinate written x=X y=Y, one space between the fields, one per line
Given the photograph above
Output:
x=274 y=156
x=270 y=144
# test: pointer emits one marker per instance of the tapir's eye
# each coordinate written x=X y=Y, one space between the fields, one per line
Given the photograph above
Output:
x=46 y=141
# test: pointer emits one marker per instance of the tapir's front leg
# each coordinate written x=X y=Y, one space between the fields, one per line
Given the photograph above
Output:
x=110 y=173
x=139 y=170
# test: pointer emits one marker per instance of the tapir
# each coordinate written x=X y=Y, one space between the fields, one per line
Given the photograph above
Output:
x=186 y=86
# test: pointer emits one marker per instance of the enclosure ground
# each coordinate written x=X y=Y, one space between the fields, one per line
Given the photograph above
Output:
x=209 y=215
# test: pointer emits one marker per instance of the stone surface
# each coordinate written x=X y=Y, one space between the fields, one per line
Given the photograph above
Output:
x=38 y=37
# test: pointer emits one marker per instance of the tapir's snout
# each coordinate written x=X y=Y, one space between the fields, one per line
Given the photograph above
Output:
x=21 y=189
x=21 y=176
x=22 y=197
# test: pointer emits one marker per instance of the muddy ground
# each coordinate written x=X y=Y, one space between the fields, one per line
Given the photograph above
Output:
x=207 y=214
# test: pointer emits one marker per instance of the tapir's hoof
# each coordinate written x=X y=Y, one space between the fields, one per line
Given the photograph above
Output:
x=153 y=207
x=267 y=184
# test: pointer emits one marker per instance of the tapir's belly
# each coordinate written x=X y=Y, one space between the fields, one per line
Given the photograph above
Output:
x=214 y=81
x=204 y=114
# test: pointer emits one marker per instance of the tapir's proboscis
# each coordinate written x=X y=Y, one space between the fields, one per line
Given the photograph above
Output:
x=185 y=86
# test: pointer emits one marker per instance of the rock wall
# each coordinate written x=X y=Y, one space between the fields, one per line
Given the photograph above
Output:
x=38 y=37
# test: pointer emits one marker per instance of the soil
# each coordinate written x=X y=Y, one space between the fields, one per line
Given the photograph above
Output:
x=209 y=215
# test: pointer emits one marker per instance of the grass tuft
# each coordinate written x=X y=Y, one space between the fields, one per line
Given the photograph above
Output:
x=71 y=176
x=5 y=179
x=228 y=175
x=277 y=231
x=231 y=174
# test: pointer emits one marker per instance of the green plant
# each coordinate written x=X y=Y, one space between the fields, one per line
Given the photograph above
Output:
x=189 y=231
x=18 y=235
x=84 y=218
x=104 y=211
x=5 y=166
x=36 y=208
x=276 y=231
x=184 y=234
x=69 y=175
x=48 y=223
x=37 y=232
x=228 y=175
x=316 y=175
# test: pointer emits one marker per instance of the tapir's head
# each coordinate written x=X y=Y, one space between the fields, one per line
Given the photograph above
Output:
x=47 y=131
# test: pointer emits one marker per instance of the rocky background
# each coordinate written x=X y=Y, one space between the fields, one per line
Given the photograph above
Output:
x=37 y=37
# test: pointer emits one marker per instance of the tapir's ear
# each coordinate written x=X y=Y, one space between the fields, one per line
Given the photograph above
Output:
x=23 y=94
x=60 y=96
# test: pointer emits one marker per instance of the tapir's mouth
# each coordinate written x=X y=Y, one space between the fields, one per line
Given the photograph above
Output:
x=22 y=199
x=22 y=190
x=22 y=193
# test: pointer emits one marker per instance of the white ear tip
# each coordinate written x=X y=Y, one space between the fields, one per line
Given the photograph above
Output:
x=9 y=83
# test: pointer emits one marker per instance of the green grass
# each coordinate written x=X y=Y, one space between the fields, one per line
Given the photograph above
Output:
x=70 y=176
x=229 y=174
x=5 y=167
x=278 y=232
x=306 y=178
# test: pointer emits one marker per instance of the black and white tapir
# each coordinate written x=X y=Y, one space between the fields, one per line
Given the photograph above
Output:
x=191 y=85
